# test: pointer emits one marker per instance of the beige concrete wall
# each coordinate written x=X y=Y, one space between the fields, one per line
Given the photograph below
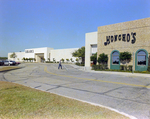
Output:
x=140 y=27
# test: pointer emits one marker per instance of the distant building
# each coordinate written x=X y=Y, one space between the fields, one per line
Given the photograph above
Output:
x=45 y=53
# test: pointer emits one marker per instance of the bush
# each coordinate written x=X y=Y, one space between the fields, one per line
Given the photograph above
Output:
x=126 y=68
x=130 y=67
x=100 y=67
x=103 y=58
x=121 y=67
x=82 y=64
x=148 y=69
x=94 y=58
x=49 y=62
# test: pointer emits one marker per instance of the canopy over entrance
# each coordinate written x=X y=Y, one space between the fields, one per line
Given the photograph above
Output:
x=39 y=57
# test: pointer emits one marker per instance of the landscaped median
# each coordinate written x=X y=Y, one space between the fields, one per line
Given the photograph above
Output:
x=8 y=68
x=17 y=101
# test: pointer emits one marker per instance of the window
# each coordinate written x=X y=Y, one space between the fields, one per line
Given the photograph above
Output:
x=93 y=49
x=141 y=58
x=115 y=57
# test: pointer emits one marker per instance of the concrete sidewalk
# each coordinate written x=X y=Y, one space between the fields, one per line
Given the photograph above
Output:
x=111 y=72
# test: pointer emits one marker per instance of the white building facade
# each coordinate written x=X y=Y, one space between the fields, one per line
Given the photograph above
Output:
x=46 y=53
x=90 y=47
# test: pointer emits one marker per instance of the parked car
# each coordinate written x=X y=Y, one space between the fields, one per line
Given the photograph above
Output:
x=9 y=62
x=17 y=63
x=1 y=62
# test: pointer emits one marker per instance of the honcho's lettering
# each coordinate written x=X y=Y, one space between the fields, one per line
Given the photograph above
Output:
x=121 y=37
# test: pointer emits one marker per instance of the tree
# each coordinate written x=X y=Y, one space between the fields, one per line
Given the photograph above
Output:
x=3 y=58
x=43 y=59
x=24 y=58
x=53 y=59
x=49 y=59
x=94 y=58
x=71 y=60
x=77 y=59
x=103 y=59
x=62 y=60
x=30 y=59
x=80 y=53
x=27 y=59
x=125 y=57
x=13 y=55
x=67 y=60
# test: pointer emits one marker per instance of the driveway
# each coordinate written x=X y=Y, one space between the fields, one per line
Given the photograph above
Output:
x=124 y=92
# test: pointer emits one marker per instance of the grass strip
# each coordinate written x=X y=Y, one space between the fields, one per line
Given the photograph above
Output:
x=20 y=102
x=8 y=68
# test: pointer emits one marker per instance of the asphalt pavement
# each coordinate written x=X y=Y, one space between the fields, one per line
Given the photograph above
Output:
x=126 y=92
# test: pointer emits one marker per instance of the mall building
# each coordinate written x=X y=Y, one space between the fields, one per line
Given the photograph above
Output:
x=45 y=53
x=131 y=36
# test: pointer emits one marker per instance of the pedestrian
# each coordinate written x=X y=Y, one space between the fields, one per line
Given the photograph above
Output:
x=60 y=64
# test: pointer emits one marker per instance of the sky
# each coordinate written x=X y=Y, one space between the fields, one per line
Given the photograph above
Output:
x=60 y=24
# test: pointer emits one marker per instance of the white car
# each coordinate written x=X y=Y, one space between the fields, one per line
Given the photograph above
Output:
x=9 y=62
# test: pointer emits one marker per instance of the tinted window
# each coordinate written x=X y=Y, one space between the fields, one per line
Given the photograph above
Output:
x=141 y=58
x=115 y=58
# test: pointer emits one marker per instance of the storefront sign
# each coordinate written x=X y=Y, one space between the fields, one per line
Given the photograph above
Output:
x=29 y=51
x=123 y=37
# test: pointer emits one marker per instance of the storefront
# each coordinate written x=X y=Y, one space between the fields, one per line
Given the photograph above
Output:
x=132 y=36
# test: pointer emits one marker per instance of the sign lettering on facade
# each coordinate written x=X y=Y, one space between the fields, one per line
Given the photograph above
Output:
x=123 y=37
x=29 y=51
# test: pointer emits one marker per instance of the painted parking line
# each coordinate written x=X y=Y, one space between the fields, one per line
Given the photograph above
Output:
x=119 y=83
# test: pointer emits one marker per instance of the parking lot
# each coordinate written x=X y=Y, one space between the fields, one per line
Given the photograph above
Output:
x=126 y=93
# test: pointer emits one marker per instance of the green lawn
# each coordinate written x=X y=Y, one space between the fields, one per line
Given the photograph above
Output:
x=20 y=102
x=7 y=68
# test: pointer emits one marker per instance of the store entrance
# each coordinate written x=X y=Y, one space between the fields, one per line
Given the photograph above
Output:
x=39 y=57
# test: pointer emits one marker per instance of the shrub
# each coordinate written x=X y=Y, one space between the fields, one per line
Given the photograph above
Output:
x=62 y=60
x=94 y=58
x=77 y=63
x=103 y=58
x=77 y=59
x=67 y=60
x=100 y=67
x=130 y=67
x=121 y=67
x=49 y=62
x=148 y=68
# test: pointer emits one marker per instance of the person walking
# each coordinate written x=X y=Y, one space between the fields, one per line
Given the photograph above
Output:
x=60 y=64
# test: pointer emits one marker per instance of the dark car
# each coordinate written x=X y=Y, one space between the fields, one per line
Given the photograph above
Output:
x=9 y=62
x=1 y=62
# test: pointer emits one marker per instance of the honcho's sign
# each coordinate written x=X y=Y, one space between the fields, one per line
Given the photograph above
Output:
x=121 y=37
